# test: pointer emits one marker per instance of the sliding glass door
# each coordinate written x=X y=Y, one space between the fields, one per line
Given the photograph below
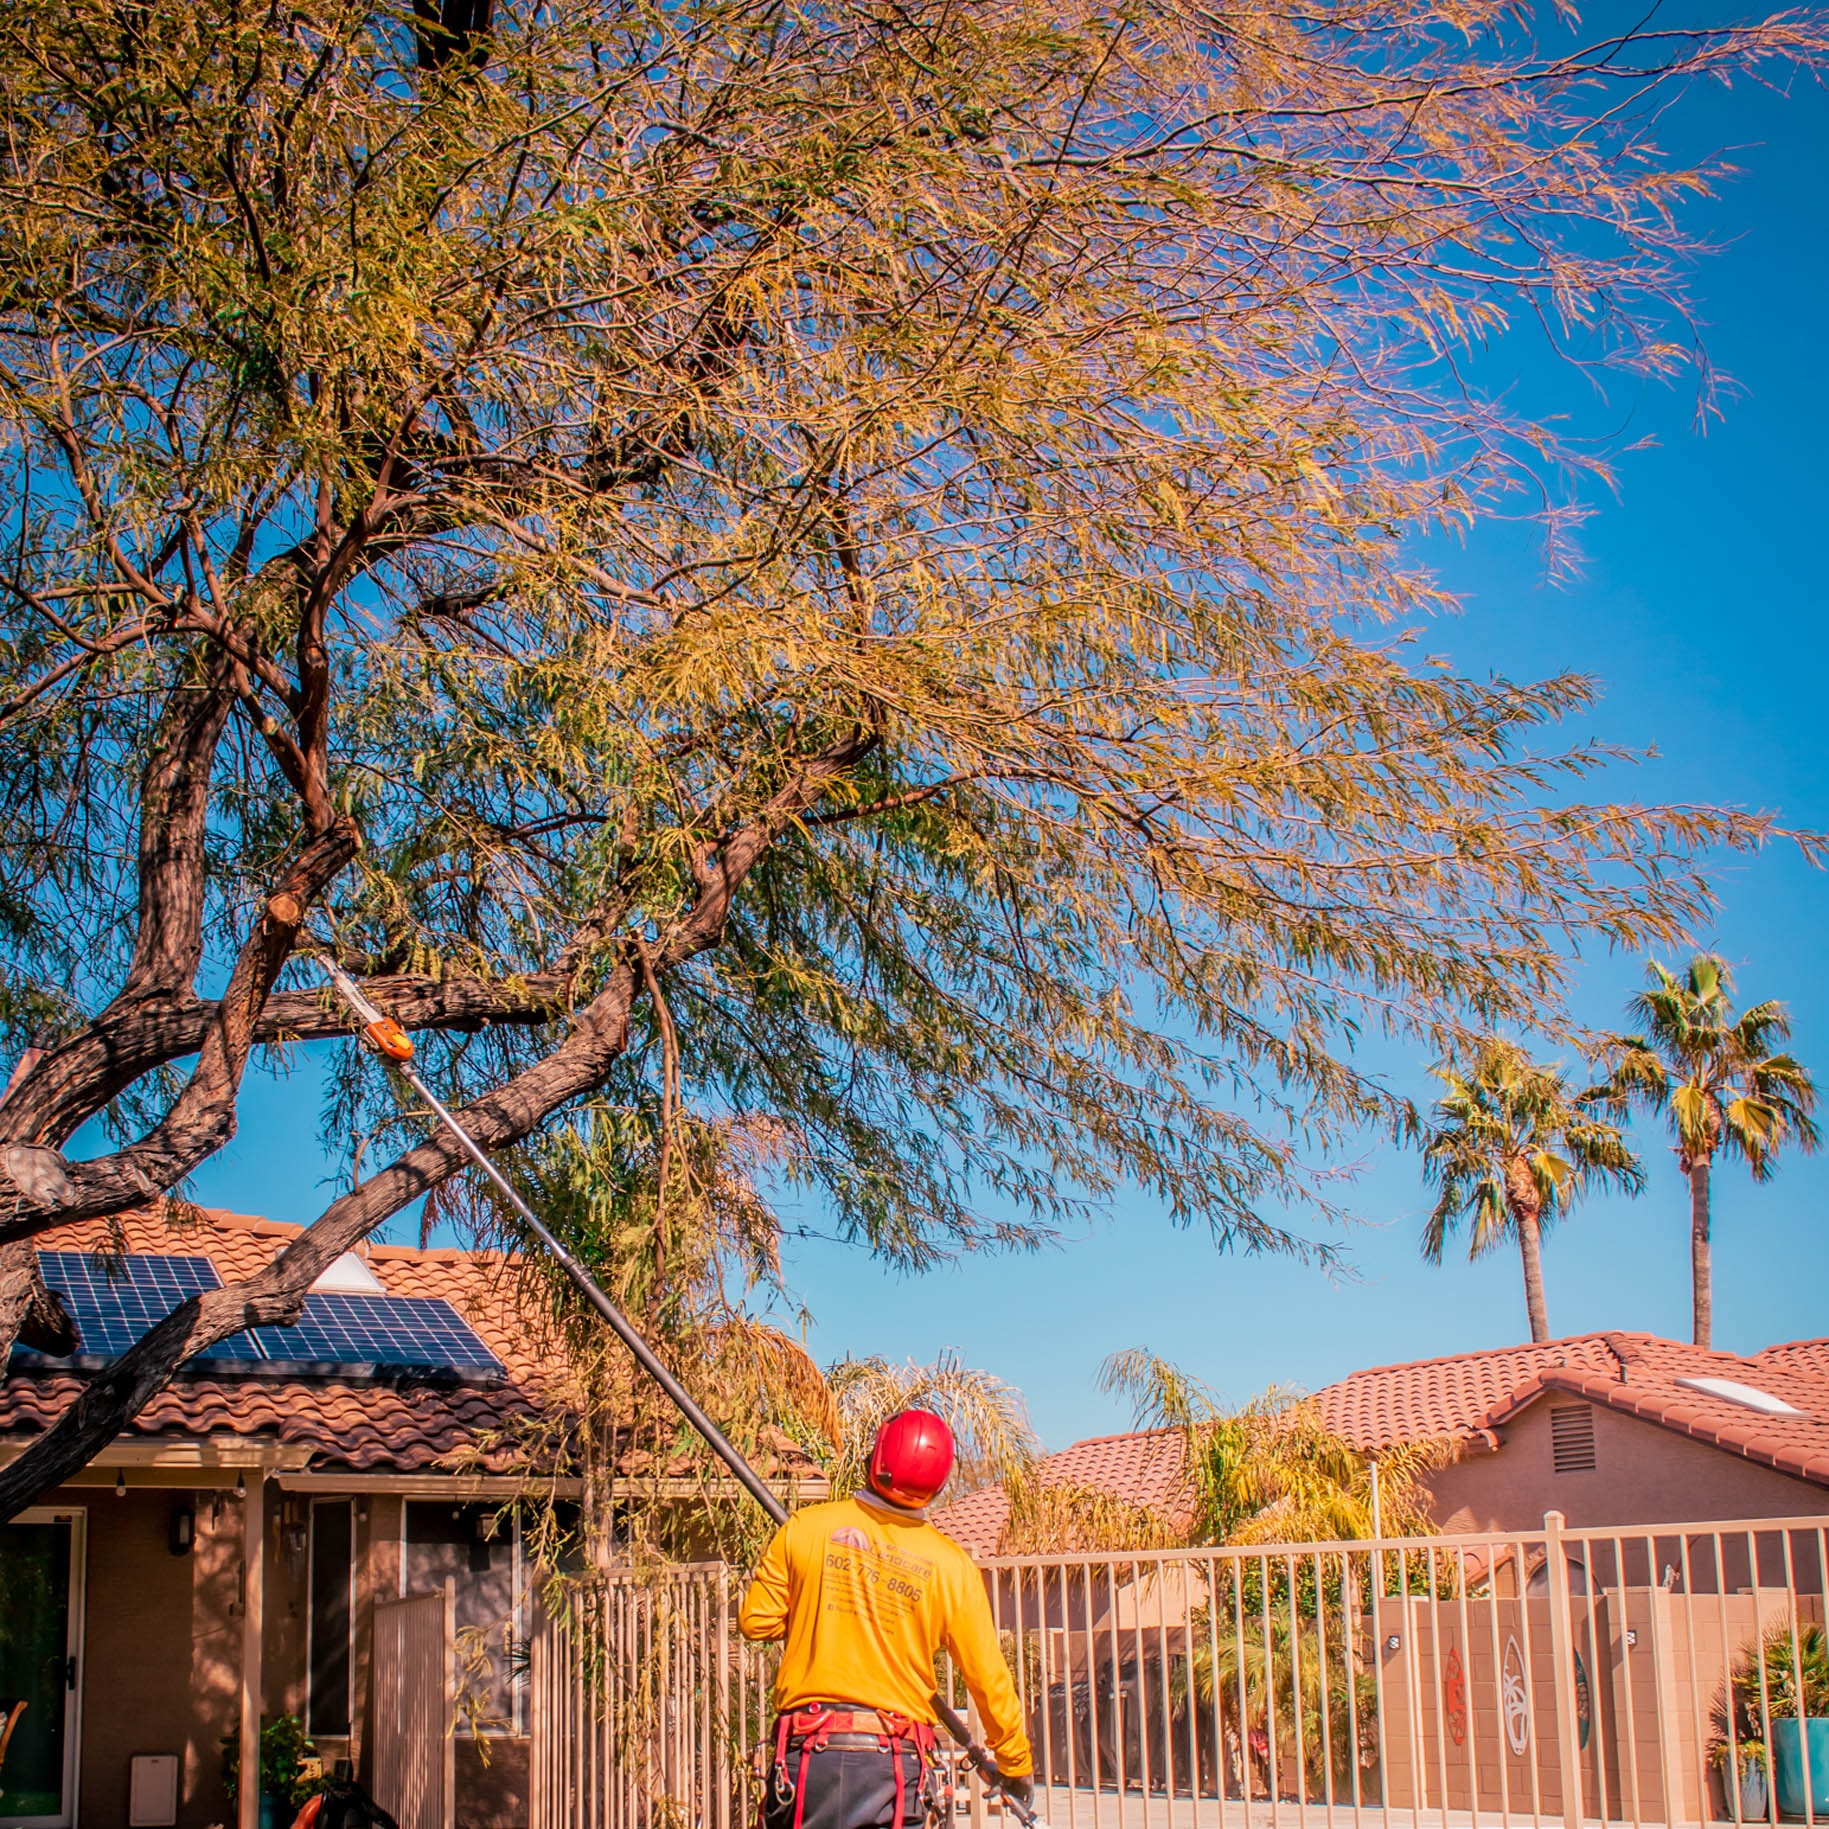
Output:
x=41 y=1568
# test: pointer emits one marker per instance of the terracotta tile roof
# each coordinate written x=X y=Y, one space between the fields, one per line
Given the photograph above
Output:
x=1810 y=1357
x=396 y=1426
x=1453 y=1397
x=1144 y=1467
x=1467 y=1396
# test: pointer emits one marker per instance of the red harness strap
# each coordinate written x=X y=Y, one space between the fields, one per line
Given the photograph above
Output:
x=814 y=1726
x=904 y=1732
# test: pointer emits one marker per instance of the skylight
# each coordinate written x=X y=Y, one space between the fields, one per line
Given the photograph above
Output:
x=1748 y=1396
x=349 y=1276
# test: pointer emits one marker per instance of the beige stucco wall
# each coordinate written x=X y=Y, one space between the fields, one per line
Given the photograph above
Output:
x=1643 y=1474
x=161 y=1649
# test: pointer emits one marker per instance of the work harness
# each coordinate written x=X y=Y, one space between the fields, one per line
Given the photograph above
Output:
x=820 y=1725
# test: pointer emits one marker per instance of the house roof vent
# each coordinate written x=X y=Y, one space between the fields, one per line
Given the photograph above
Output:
x=1748 y=1396
x=1572 y=1439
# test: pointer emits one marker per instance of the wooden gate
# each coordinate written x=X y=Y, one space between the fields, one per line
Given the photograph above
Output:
x=415 y=1709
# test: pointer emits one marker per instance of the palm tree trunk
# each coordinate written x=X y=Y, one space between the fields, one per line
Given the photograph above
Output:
x=1530 y=1249
x=1701 y=1268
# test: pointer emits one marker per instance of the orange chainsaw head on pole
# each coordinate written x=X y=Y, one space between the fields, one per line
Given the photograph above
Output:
x=380 y=1028
x=391 y=1039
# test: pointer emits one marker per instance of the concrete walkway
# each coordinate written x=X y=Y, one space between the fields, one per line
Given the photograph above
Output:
x=1065 y=1808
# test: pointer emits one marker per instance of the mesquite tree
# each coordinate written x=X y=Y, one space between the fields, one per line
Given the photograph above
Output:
x=838 y=564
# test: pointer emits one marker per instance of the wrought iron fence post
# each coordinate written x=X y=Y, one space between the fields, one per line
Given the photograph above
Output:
x=1562 y=1658
x=724 y=1716
x=976 y=1783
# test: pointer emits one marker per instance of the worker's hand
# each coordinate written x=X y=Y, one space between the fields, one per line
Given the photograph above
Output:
x=1020 y=1788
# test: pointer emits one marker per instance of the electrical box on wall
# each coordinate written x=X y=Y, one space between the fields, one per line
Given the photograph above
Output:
x=152 y=1791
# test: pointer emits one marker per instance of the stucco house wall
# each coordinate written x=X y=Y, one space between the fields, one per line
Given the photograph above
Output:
x=160 y=1657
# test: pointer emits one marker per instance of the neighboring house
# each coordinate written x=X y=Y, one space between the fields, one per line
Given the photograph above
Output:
x=223 y=1560
x=1607 y=1429
x=1144 y=1468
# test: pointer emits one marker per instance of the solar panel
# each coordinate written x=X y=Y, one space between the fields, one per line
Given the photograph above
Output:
x=114 y=1300
x=394 y=1333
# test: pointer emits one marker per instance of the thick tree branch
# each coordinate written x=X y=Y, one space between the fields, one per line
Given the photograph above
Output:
x=496 y=1121
x=202 y=1118
x=174 y=817
x=87 y=1072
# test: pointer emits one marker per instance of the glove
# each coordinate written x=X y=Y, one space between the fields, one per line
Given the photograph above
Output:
x=1020 y=1789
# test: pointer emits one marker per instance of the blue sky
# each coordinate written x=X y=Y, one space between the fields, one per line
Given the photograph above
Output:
x=1701 y=607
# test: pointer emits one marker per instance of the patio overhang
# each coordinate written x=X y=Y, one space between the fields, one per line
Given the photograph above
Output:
x=214 y=1461
x=457 y=1486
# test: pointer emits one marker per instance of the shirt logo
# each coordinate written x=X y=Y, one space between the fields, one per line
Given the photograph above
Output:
x=851 y=1537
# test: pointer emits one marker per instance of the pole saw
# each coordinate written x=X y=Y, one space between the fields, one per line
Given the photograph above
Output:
x=392 y=1042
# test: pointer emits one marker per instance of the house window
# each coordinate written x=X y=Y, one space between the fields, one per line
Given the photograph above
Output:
x=1572 y=1439
x=332 y=1574
x=477 y=1549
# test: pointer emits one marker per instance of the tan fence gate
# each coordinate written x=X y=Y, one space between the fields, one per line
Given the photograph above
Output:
x=644 y=1702
x=1552 y=1676
x=414 y=1716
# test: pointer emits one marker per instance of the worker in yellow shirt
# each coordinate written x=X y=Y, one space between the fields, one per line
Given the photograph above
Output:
x=865 y=1591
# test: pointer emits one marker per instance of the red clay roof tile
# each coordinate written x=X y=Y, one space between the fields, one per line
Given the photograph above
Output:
x=1145 y=1467
x=406 y=1427
x=1467 y=1396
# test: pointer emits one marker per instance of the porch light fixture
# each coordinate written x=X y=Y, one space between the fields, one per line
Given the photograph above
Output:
x=120 y=1484
x=183 y=1528
x=1393 y=1643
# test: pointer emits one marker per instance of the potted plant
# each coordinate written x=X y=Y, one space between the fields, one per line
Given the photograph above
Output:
x=1746 y=1789
x=1781 y=1723
x=290 y=1770
x=1797 y=1696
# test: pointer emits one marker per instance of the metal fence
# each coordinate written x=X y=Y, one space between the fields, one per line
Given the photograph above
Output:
x=415 y=1676
x=644 y=1702
x=1659 y=1675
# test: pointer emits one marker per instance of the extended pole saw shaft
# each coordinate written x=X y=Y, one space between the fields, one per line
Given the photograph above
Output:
x=388 y=1038
x=391 y=1040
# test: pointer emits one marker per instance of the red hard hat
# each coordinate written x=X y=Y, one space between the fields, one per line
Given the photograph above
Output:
x=912 y=1458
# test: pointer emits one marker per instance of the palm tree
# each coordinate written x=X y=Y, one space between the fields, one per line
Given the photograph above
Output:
x=1723 y=1087
x=986 y=1415
x=1512 y=1149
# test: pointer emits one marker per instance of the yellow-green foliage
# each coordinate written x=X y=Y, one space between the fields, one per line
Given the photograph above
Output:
x=877 y=538
x=1273 y=1472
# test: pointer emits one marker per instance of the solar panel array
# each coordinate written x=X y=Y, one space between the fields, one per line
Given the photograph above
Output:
x=401 y=1333
x=115 y=1299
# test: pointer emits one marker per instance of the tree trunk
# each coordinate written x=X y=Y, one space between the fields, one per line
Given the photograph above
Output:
x=18 y=1286
x=1530 y=1249
x=1525 y=1204
x=1701 y=1269
x=30 y=1315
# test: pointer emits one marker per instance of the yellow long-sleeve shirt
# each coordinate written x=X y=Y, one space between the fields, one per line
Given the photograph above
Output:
x=864 y=1596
